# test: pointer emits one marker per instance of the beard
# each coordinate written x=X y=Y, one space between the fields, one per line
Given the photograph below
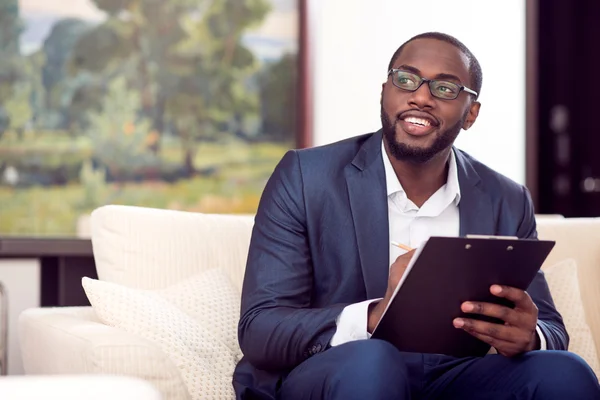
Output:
x=414 y=154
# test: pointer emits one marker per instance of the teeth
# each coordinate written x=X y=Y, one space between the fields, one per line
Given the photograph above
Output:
x=418 y=121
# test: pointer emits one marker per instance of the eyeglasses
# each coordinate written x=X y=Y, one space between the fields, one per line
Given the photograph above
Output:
x=441 y=89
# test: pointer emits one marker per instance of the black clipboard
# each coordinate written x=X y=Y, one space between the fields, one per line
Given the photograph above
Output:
x=444 y=273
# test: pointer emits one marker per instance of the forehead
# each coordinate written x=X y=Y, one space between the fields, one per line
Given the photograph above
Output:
x=433 y=57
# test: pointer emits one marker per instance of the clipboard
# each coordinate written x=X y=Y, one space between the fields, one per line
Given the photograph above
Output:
x=444 y=273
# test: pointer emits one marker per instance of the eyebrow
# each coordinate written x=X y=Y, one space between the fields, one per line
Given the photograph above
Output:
x=442 y=76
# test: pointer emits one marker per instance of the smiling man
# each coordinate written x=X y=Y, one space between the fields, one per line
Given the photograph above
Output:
x=321 y=271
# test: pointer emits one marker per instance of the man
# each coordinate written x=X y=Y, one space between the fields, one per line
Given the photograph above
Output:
x=319 y=275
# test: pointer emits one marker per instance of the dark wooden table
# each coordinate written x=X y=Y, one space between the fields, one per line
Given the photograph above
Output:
x=63 y=263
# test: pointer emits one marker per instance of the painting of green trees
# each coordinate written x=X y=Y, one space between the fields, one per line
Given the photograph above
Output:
x=179 y=104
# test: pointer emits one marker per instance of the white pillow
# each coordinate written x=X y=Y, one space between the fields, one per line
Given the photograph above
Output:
x=191 y=335
x=564 y=287
x=211 y=299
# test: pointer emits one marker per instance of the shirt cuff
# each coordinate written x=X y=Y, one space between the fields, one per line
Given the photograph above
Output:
x=543 y=345
x=352 y=323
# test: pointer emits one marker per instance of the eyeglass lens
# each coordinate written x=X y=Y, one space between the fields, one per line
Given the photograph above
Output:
x=441 y=89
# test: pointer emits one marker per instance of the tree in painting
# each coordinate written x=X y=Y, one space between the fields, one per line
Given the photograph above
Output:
x=184 y=104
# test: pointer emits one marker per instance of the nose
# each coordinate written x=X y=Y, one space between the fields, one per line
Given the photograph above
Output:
x=421 y=98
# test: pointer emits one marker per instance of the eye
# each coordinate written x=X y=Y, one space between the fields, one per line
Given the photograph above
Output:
x=446 y=89
x=406 y=80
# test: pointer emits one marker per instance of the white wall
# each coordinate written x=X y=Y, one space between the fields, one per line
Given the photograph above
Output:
x=352 y=42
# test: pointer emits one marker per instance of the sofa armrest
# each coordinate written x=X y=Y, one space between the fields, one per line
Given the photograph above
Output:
x=71 y=387
x=71 y=340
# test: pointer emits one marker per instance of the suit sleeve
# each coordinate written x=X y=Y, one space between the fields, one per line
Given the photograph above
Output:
x=549 y=320
x=278 y=328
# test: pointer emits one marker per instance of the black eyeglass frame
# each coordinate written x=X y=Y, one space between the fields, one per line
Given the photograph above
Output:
x=429 y=83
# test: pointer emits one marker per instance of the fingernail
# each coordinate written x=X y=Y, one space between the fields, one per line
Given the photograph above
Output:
x=467 y=307
x=496 y=289
x=459 y=323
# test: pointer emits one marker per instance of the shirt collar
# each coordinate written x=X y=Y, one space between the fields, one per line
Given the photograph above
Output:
x=393 y=185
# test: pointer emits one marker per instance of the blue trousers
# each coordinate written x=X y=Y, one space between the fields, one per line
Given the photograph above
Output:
x=374 y=369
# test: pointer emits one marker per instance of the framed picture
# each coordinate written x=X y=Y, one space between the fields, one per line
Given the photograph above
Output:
x=176 y=104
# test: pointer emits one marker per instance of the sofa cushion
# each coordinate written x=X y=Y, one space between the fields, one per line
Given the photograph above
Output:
x=564 y=286
x=196 y=333
x=579 y=239
x=132 y=245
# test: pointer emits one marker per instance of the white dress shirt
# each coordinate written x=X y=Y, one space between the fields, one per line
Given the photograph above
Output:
x=409 y=225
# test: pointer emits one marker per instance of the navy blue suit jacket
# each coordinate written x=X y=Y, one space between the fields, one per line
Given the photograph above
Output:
x=320 y=242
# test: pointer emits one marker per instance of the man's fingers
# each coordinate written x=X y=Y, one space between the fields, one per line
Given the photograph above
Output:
x=397 y=269
x=502 y=347
x=495 y=331
x=508 y=341
x=521 y=298
x=506 y=314
x=406 y=256
x=487 y=339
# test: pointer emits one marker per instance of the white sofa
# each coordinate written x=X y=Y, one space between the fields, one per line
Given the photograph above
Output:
x=152 y=249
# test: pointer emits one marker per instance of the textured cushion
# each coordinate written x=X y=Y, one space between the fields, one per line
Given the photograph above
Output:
x=564 y=286
x=210 y=299
x=193 y=322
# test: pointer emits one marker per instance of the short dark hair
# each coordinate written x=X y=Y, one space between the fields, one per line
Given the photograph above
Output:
x=475 y=72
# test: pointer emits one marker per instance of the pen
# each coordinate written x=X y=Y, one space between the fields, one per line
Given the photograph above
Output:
x=402 y=246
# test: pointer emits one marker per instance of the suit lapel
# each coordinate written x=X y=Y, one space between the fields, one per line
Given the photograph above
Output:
x=365 y=178
x=476 y=211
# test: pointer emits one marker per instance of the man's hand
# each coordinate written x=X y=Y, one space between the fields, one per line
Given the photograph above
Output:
x=518 y=333
x=397 y=269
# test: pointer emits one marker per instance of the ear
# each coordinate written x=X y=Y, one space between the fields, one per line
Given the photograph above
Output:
x=472 y=115
x=381 y=95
